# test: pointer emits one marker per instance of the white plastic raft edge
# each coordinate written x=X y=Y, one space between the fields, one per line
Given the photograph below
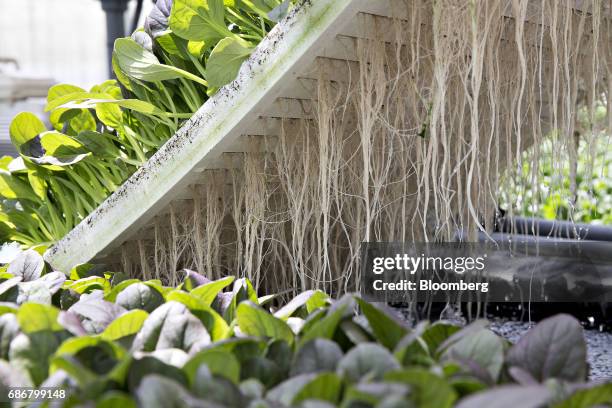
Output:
x=201 y=140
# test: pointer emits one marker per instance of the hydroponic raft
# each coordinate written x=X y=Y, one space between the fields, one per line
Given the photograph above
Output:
x=360 y=121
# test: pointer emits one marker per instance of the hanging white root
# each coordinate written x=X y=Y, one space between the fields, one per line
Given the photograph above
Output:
x=441 y=121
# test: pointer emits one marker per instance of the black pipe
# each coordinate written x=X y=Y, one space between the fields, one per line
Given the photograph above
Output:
x=136 y=16
x=556 y=229
x=115 y=28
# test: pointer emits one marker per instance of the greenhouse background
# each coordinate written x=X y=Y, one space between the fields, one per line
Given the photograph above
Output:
x=49 y=42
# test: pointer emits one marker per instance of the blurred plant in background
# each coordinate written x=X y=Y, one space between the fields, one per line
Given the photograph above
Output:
x=553 y=196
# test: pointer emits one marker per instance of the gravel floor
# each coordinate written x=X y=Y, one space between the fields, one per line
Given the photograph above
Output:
x=599 y=346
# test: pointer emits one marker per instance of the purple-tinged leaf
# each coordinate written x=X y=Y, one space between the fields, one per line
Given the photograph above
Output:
x=157 y=20
x=510 y=396
x=71 y=322
x=28 y=264
x=53 y=281
x=96 y=314
x=554 y=348
x=193 y=279
x=143 y=39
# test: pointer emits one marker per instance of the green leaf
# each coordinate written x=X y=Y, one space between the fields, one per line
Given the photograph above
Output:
x=35 y=317
x=324 y=327
x=74 y=368
x=156 y=391
x=96 y=314
x=279 y=12
x=243 y=348
x=377 y=394
x=199 y=20
x=324 y=386
x=252 y=388
x=60 y=90
x=192 y=280
x=214 y=323
x=554 y=348
x=59 y=144
x=483 y=348
x=53 y=281
x=54 y=150
x=192 y=302
x=427 y=389
x=25 y=127
x=315 y=356
x=38 y=183
x=219 y=362
x=12 y=376
x=183 y=331
x=113 y=399
x=75 y=344
x=9 y=329
x=170 y=325
x=242 y=290
x=367 y=360
x=148 y=364
x=86 y=285
x=34 y=291
x=79 y=122
x=255 y=321
x=110 y=114
x=225 y=60
x=595 y=395
x=84 y=270
x=92 y=361
x=263 y=370
x=355 y=332
x=172 y=356
x=125 y=325
x=265 y=299
x=208 y=292
x=296 y=303
x=141 y=64
x=412 y=349
x=31 y=353
x=387 y=330
x=111 y=295
x=281 y=353
x=318 y=300
x=14 y=189
x=473 y=327
x=28 y=264
x=139 y=296
x=216 y=389
x=101 y=143
x=72 y=97
x=9 y=289
x=437 y=333
x=131 y=104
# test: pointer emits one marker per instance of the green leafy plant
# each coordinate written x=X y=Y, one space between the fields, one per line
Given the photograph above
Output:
x=553 y=196
x=124 y=342
x=186 y=52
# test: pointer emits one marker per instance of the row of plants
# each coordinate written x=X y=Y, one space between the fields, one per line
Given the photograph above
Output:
x=187 y=50
x=552 y=196
x=109 y=341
